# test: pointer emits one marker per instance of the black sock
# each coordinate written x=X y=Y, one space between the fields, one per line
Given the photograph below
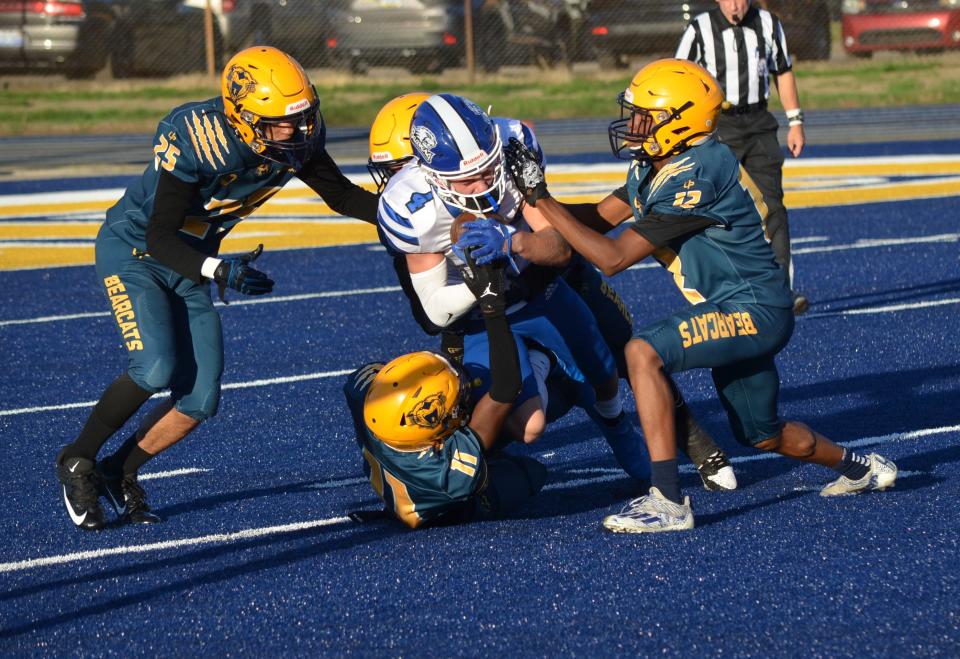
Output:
x=665 y=476
x=128 y=458
x=117 y=404
x=852 y=465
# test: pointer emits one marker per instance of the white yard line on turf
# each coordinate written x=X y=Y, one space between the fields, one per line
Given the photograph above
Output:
x=286 y=379
x=224 y=538
x=864 y=243
x=217 y=538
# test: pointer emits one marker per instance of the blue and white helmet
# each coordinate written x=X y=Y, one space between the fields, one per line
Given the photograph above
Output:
x=455 y=140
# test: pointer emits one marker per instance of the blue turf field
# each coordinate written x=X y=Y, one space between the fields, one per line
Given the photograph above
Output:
x=256 y=555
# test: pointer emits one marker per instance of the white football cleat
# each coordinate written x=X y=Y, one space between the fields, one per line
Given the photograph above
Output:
x=881 y=475
x=651 y=514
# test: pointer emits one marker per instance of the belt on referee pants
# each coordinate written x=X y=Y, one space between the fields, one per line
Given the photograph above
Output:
x=746 y=109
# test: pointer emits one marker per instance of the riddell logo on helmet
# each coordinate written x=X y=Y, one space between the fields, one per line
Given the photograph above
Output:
x=380 y=156
x=300 y=105
x=474 y=159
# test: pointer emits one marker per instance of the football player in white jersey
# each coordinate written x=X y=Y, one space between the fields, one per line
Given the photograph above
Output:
x=458 y=168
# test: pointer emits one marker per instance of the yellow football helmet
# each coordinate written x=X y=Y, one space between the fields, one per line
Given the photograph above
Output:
x=265 y=91
x=416 y=401
x=390 y=137
x=668 y=105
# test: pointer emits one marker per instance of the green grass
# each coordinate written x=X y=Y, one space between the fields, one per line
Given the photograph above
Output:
x=49 y=106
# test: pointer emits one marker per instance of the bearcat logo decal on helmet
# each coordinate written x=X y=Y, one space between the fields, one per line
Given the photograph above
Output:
x=428 y=412
x=240 y=82
x=425 y=141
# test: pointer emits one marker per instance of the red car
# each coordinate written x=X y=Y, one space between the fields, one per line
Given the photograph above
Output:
x=919 y=25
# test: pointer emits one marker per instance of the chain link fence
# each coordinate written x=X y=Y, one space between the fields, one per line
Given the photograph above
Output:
x=156 y=38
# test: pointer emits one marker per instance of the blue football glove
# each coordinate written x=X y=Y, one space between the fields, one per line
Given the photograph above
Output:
x=487 y=241
x=235 y=272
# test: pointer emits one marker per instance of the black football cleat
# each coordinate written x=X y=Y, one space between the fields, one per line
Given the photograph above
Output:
x=127 y=498
x=78 y=482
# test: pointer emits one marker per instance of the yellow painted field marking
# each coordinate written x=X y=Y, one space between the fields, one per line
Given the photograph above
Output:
x=849 y=183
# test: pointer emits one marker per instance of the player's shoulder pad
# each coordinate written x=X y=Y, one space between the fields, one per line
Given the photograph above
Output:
x=407 y=195
x=520 y=130
x=203 y=130
x=682 y=187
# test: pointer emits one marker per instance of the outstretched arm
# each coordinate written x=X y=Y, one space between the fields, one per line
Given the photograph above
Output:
x=611 y=255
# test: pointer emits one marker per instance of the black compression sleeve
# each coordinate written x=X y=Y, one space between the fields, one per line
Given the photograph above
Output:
x=340 y=193
x=504 y=361
x=170 y=205
x=661 y=229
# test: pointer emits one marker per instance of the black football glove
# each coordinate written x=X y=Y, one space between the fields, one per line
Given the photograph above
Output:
x=235 y=272
x=526 y=171
x=486 y=282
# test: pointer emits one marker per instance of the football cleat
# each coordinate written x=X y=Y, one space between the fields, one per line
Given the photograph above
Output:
x=78 y=481
x=882 y=474
x=716 y=472
x=652 y=513
x=127 y=498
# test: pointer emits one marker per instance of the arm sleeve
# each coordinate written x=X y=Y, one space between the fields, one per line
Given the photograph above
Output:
x=443 y=304
x=622 y=194
x=661 y=229
x=171 y=203
x=341 y=194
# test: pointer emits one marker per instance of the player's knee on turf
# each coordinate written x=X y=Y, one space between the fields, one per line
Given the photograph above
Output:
x=794 y=441
x=512 y=480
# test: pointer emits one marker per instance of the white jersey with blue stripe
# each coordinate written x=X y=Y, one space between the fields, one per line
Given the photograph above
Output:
x=414 y=220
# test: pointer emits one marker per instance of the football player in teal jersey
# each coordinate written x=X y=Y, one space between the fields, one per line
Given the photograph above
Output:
x=427 y=446
x=701 y=216
x=214 y=162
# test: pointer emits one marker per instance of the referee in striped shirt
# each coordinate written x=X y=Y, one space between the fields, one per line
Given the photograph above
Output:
x=744 y=47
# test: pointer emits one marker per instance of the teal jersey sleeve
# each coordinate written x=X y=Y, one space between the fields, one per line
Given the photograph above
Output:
x=173 y=153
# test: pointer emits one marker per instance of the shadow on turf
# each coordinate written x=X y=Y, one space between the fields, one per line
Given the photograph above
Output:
x=365 y=535
x=888 y=296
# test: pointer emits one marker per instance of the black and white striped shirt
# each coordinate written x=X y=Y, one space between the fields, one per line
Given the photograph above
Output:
x=741 y=57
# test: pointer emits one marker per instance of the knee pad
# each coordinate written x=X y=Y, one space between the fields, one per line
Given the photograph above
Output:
x=154 y=374
x=200 y=406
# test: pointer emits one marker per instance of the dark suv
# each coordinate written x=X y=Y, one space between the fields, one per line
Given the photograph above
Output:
x=620 y=28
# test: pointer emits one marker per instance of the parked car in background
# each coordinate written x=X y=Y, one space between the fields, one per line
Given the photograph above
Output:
x=919 y=25
x=154 y=38
x=619 y=29
x=298 y=27
x=67 y=36
x=427 y=36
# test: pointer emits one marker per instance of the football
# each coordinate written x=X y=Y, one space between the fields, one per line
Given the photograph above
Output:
x=456 y=229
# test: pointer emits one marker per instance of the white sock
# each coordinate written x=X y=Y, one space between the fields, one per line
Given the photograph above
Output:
x=540 y=364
